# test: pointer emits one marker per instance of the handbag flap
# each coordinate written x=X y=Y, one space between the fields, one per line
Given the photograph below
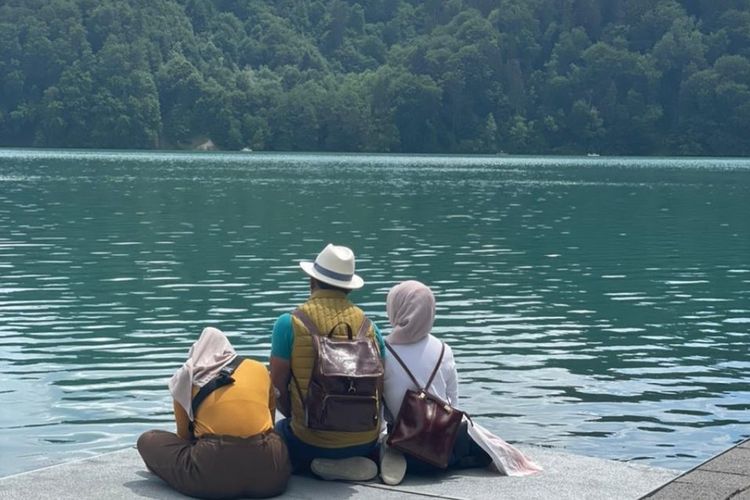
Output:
x=348 y=358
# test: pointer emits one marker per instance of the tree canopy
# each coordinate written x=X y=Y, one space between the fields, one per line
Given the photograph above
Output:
x=432 y=76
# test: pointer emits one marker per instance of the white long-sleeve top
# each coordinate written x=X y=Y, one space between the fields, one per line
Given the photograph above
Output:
x=421 y=358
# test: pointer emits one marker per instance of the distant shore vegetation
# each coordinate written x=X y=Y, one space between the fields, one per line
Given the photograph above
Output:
x=429 y=76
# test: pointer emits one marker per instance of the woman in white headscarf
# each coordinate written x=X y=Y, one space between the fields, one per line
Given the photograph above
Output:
x=411 y=311
x=225 y=445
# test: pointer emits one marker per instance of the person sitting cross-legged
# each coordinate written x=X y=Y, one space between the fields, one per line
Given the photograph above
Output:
x=225 y=445
x=330 y=429
x=411 y=311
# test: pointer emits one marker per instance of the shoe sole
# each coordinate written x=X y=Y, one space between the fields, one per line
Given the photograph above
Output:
x=392 y=467
x=345 y=469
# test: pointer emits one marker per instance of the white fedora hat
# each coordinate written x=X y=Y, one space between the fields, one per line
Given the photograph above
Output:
x=334 y=265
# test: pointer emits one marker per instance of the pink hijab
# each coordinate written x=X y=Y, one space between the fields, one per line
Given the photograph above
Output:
x=206 y=358
x=411 y=311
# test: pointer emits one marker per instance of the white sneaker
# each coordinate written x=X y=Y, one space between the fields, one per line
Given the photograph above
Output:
x=344 y=469
x=392 y=465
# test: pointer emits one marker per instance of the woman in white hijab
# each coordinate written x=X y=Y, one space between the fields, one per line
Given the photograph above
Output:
x=225 y=445
x=411 y=311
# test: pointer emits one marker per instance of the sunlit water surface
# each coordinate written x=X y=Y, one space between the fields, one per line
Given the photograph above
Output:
x=597 y=305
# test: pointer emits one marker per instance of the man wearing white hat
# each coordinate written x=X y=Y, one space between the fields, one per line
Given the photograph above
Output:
x=330 y=454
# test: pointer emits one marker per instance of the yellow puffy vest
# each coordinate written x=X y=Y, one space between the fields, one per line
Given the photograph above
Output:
x=326 y=308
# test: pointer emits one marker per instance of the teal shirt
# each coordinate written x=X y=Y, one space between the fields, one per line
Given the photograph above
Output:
x=282 y=338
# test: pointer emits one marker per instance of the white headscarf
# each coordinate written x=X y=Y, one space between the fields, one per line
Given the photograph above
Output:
x=206 y=358
x=411 y=311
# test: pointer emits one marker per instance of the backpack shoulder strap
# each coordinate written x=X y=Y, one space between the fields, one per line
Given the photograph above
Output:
x=364 y=328
x=437 y=365
x=313 y=329
x=223 y=378
x=403 y=365
x=408 y=372
x=307 y=321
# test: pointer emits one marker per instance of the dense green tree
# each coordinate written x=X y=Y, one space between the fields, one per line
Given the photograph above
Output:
x=346 y=118
x=716 y=107
x=299 y=117
x=471 y=76
x=180 y=86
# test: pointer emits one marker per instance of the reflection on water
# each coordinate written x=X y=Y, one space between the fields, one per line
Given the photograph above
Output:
x=601 y=305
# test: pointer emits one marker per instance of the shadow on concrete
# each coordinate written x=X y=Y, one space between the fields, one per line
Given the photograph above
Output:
x=302 y=487
x=151 y=486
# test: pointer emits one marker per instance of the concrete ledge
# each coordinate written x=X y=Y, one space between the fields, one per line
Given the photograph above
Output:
x=725 y=476
x=121 y=474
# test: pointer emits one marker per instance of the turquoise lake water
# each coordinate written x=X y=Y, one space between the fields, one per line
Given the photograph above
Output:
x=600 y=305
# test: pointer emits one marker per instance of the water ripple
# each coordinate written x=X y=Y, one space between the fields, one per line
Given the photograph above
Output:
x=600 y=306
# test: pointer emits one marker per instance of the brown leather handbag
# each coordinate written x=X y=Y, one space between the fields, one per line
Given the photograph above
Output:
x=426 y=426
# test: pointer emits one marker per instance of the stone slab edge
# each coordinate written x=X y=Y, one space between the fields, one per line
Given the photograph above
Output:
x=121 y=474
x=681 y=483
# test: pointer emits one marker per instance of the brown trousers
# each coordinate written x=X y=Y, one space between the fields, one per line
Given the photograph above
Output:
x=218 y=466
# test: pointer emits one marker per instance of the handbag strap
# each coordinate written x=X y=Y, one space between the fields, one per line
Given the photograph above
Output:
x=411 y=375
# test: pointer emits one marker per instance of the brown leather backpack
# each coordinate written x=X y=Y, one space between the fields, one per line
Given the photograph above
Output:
x=426 y=426
x=346 y=382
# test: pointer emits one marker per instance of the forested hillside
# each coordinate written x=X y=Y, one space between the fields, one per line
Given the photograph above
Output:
x=443 y=76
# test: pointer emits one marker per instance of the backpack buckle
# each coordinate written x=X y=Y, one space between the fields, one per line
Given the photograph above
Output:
x=226 y=374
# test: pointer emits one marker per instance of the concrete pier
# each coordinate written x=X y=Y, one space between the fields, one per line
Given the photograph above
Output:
x=122 y=475
x=725 y=476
